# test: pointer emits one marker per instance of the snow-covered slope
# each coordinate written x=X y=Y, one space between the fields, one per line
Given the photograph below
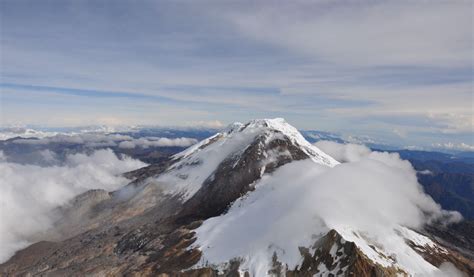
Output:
x=195 y=165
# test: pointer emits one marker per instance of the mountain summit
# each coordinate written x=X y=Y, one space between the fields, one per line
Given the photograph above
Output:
x=255 y=199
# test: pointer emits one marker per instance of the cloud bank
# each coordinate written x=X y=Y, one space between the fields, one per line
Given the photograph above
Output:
x=157 y=142
x=97 y=140
x=11 y=132
x=454 y=146
x=372 y=193
x=90 y=139
x=343 y=152
x=28 y=193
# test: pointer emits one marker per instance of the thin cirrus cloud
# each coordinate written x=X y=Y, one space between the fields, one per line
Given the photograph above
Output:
x=401 y=33
x=322 y=65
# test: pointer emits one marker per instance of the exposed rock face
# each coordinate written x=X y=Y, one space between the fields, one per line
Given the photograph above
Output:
x=146 y=228
x=333 y=255
x=235 y=176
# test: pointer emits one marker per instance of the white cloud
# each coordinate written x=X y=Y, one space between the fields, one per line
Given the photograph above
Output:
x=443 y=108
x=157 y=142
x=28 y=192
x=96 y=140
x=85 y=138
x=11 y=132
x=425 y=172
x=365 y=34
x=361 y=139
x=343 y=152
x=127 y=145
x=373 y=194
x=460 y=122
x=454 y=146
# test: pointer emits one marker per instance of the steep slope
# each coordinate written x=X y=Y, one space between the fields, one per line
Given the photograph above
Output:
x=256 y=199
x=271 y=143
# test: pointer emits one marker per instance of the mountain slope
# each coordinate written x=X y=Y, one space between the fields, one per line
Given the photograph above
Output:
x=254 y=199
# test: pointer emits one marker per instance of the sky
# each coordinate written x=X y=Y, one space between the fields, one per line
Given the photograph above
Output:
x=398 y=71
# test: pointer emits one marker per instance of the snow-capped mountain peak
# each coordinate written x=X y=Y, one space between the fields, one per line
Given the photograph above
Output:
x=274 y=142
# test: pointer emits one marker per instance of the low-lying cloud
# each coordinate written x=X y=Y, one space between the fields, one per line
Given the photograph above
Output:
x=343 y=152
x=12 y=132
x=76 y=139
x=102 y=140
x=454 y=146
x=157 y=142
x=371 y=193
x=28 y=193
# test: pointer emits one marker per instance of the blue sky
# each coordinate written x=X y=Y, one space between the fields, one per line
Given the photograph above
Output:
x=397 y=71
